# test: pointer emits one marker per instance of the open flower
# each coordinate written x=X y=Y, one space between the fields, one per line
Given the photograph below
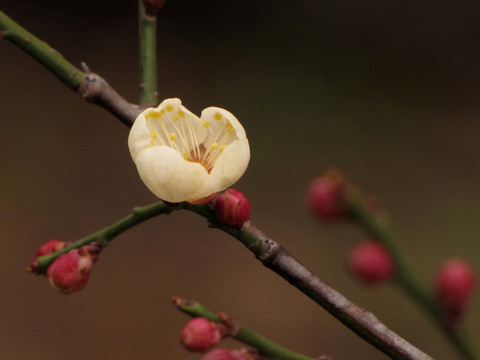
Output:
x=181 y=157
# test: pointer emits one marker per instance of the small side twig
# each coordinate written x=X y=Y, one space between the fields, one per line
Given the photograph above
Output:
x=241 y=333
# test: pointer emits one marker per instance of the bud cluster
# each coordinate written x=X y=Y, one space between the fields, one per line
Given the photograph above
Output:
x=70 y=271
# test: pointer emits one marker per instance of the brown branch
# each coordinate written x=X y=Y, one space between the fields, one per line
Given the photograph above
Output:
x=278 y=259
x=96 y=90
x=361 y=321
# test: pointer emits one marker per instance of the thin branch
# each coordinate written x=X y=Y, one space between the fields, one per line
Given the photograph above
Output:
x=148 y=58
x=241 y=333
x=89 y=86
x=105 y=235
x=40 y=51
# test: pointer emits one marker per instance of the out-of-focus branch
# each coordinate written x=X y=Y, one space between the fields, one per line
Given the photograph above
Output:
x=89 y=86
x=376 y=224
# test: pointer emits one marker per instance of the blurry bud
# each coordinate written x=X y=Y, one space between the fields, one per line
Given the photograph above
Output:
x=326 y=197
x=219 y=354
x=201 y=334
x=237 y=354
x=49 y=247
x=232 y=207
x=370 y=262
x=70 y=272
x=454 y=285
x=152 y=7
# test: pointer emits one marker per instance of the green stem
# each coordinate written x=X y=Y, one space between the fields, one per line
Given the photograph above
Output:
x=378 y=228
x=106 y=235
x=148 y=59
x=40 y=51
x=263 y=345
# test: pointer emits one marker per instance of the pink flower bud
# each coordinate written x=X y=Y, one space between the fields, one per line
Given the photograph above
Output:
x=201 y=334
x=70 y=272
x=370 y=262
x=326 y=197
x=232 y=207
x=219 y=354
x=49 y=247
x=454 y=285
x=236 y=354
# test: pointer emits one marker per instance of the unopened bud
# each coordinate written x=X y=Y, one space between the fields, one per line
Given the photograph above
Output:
x=454 y=285
x=371 y=263
x=236 y=354
x=200 y=334
x=49 y=247
x=326 y=197
x=219 y=354
x=232 y=207
x=70 y=272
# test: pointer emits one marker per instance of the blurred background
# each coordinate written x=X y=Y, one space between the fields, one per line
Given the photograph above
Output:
x=387 y=92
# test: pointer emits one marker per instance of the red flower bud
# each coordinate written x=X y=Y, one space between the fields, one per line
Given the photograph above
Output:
x=237 y=354
x=371 y=263
x=454 y=285
x=201 y=334
x=232 y=207
x=219 y=354
x=326 y=197
x=49 y=247
x=70 y=272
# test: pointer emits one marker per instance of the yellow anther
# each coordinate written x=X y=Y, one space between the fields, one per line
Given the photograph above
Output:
x=181 y=113
x=173 y=136
x=206 y=124
x=185 y=156
x=153 y=134
x=229 y=128
x=153 y=115
x=175 y=118
x=169 y=107
x=151 y=142
x=214 y=145
x=217 y=116
x=223 y=147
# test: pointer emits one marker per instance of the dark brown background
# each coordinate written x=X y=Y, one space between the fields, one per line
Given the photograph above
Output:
x=386 y=91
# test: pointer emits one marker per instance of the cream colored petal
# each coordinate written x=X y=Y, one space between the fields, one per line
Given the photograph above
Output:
x=230 y=166
x=169 y=176
x=217 y=117
x=139 y=137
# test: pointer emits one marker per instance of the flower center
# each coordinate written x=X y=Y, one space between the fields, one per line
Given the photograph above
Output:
x=197 y=140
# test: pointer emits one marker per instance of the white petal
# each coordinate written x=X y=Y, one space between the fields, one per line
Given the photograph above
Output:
x=169 y=176
x=230 y=166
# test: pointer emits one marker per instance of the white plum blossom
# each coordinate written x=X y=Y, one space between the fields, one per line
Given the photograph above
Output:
x=181 y=157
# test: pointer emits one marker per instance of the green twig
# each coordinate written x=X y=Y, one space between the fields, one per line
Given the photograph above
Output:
x=106 y=235
x=266 y=347
x=378 y=227
x=91 y=87
x=41 y=51
x=148 y=94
